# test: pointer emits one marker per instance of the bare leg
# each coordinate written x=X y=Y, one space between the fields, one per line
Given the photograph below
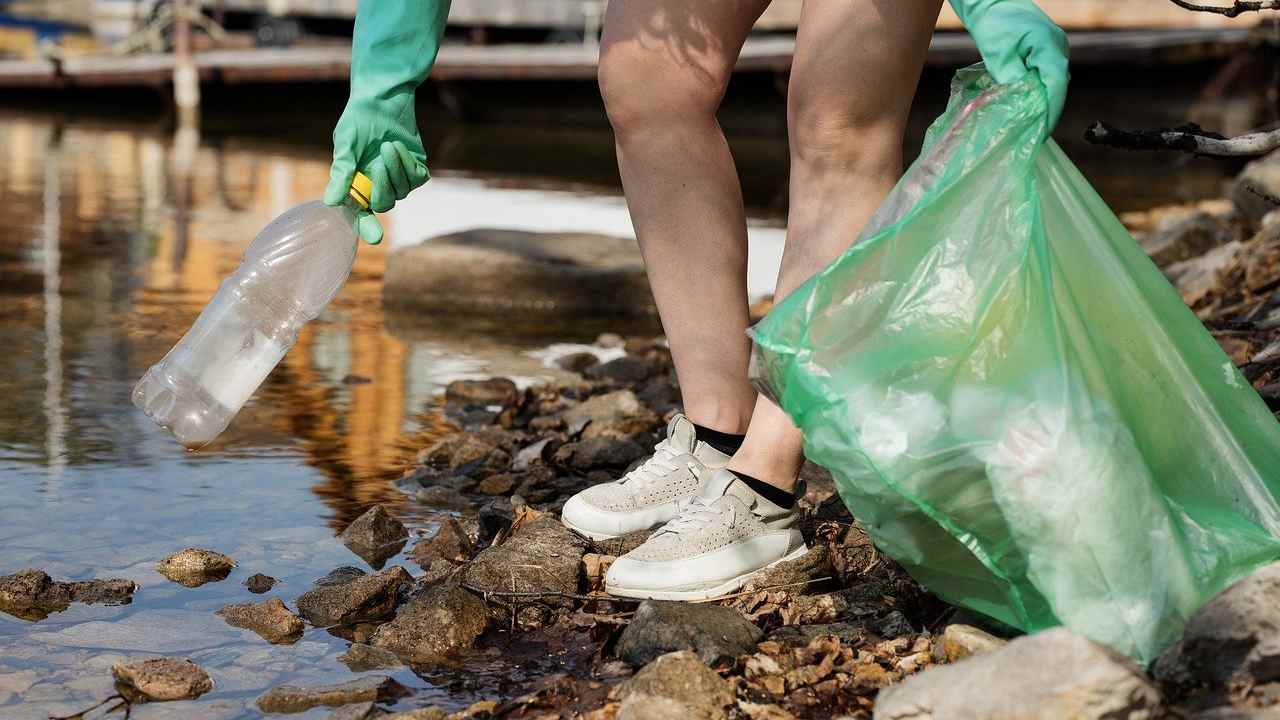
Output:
x=664 y=66
x=855 y=71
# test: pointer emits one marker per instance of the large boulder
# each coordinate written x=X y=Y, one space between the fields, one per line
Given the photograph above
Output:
x=1257 y=189
x=1046 y=676
x=1233 y=641
x=486 y=269
x=443 y=620
x=711 y=632
x=676 y=685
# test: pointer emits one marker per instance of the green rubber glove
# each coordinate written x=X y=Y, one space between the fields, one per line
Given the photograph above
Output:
x=392 y=50
x=1015 y=36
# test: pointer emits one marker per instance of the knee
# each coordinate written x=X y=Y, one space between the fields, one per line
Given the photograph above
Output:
x=642 y=92
x=825 y=135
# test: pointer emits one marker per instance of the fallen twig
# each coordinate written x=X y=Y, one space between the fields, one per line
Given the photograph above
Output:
x=1187 y=138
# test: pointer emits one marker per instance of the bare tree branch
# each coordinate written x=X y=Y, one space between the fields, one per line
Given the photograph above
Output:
x=1187 y=138
x=1236 y=8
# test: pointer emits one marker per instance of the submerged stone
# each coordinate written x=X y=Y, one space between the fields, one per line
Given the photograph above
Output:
x=194 y=567
x=161 y=679
x=259 y=583
x=295 y=699
x=271 y=620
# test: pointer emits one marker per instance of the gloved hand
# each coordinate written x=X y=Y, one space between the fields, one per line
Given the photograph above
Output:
x=1015 y=36
x=392 y=50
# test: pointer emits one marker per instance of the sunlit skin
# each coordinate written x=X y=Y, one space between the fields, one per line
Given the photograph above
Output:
x=664 y=68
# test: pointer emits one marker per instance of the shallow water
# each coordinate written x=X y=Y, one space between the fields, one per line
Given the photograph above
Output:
x=106 y=259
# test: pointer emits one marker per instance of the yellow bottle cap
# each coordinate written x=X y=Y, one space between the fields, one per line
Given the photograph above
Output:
x=361 y=189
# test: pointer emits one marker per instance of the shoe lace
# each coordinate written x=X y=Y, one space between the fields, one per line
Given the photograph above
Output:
x=662 y=463
x=696 y=513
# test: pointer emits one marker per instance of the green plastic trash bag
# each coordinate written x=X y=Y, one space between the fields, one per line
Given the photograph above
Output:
x=1015 y=403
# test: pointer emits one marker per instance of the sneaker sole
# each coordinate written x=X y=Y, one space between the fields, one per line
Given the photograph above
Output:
x=587 y=533
x=709 y=592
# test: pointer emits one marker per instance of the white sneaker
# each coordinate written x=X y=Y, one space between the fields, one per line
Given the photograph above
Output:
x=649 y=495
x=723 y=535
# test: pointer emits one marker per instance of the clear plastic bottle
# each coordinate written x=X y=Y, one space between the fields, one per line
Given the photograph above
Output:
x=288 y=274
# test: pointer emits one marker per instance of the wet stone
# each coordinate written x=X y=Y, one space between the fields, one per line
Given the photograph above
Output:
x=358 y=711
x=363 y=658
x=375 y=536
x=577 y=362
x=259 y=583
x=161 y=679
x=33 y=595
x=362 y=599
x=449 y=542
x=295 y=699
x=194 y=567
x=445 y=498
x=541 y=556
x=710 y=631
x=440 y=621
x=483 y=393
x=465 y=454
x=270 y=619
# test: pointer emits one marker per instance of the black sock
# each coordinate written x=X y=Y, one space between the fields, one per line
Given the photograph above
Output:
x=727 y=443
x=772 y=493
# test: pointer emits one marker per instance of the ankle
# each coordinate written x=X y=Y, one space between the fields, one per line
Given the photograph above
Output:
x=731 y=419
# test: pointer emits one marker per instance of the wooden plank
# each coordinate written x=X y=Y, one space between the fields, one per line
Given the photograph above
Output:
x=766 y=53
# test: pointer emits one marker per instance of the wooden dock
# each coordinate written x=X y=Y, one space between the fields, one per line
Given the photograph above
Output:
x=762 y=54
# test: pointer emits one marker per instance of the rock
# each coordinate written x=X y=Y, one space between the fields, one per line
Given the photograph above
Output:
x=1257 y=189
x=294 y=699
x=813 y=565
x=623 y=544
x=498 y=391
x=194 y=567
x=428 y=713
x=363 y=658
x=529 y=456
x=1186 y=237
x=598 y=452
x=441 y=621
x=500 y=484
x=1232 y=642
x=710 y=631
x=577 y=362
x=626 y=370
x=270 y=619
x=1052 y=674
x=661 y=394
x=445 y=498
x=449 y=542
x=375 y=536
x=487 y=270
x=358 y=711
x=494 y=517
x=676 y=685
x=259 y=583
x=33 y=595
x=362 y=599
x=541 y=556
x=961 y=641
x=615 y=414
x=161 y=679
x=1196 y=277
x=465 y=454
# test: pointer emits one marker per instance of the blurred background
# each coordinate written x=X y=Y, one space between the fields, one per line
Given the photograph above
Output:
x=128 y=202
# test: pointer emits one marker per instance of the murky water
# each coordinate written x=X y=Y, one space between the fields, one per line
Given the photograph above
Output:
x=105 y=260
